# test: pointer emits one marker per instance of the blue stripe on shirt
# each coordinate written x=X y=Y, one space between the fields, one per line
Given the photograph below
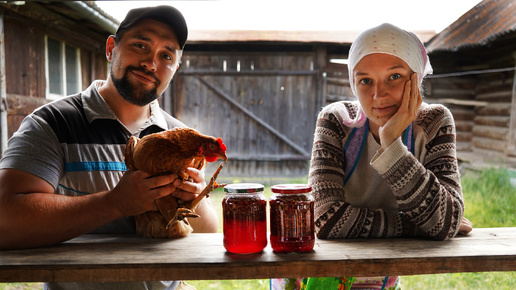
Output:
x=95 y=166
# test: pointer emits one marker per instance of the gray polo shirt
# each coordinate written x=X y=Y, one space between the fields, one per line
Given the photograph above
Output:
x=77 y=144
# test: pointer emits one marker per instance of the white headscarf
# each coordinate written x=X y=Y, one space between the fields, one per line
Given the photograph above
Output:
x=392 y=40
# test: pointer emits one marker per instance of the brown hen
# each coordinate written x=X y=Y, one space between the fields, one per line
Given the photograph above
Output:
x=168 y=152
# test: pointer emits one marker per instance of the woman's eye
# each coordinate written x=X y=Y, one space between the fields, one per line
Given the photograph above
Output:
x=365 y=81
x=395 y=76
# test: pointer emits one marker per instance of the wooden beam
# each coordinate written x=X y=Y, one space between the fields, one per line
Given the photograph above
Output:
x=492 y=132
x=203 y=257
x=202 y=72
x=460 y=102
x=3 y=91
x=500 y=109
x=512 y=126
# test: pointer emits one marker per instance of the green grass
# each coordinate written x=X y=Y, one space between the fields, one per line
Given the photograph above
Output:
x=490 y=198
x=21 y=286
x=490 y=201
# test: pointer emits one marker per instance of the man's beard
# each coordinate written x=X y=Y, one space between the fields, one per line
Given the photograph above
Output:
x=133 y=94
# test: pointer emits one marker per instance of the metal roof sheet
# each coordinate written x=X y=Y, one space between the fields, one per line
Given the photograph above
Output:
x=482 y=24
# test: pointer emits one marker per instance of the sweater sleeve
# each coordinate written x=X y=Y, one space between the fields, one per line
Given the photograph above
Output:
x=428 y=192
x=336 y=218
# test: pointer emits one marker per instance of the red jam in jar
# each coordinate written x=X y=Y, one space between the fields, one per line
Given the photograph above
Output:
x=244 y=210
x=292 y=218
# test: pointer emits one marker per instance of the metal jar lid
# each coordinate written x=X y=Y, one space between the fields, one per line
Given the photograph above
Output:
x=244 y=188
x=291 y=188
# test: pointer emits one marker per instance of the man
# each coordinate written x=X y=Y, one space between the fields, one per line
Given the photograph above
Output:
x=63 y=174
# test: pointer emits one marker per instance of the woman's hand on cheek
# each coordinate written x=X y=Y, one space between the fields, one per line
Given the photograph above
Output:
x=407 y=111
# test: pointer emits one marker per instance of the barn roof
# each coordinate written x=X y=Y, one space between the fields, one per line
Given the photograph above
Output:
x=328 y=36
x=61 y=13
x=487 y=21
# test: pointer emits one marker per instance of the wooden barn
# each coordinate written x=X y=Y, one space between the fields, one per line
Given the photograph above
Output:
x=261 y=92
x=48 y=50
x=474 y=61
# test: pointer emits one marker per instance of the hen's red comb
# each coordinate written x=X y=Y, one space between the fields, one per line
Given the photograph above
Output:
x=221 y=144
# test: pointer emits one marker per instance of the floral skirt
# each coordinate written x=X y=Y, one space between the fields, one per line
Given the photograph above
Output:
x=336 y=283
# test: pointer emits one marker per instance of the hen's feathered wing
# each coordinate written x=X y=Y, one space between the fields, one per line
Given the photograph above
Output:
x=165 y=153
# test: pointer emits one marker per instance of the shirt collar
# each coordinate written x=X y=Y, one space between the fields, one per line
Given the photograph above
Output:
x=95 y=107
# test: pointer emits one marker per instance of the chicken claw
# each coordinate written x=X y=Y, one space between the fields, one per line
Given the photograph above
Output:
x=181 y=215
x=184 y=212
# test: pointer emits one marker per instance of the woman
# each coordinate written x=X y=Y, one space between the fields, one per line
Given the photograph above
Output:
x=385 y=165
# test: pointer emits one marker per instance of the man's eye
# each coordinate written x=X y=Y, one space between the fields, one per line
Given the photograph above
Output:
x=167 y=56
x=139 y=45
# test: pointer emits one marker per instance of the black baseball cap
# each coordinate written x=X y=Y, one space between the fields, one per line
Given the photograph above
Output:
x=164 y=13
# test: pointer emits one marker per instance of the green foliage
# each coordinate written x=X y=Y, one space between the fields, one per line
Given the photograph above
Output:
x=21 y=286
x=490 y=201
x=487 y=280
x=490 y=198
x=262 y=284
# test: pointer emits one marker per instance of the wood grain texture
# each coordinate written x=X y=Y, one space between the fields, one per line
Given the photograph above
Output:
x=203 y=257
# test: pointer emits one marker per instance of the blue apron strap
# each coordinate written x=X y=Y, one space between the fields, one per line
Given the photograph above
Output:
x=385 y=282
x=353 y=149
x=408 y=139
x=356 y=142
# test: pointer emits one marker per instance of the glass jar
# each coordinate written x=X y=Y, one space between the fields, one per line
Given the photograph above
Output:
x=292 y=218
x=244 y=210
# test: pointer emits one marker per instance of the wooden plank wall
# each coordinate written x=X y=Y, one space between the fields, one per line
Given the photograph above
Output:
x=458 y=94
x=263 y=105
x=25 y=28
x=492 y=122
x=25 y=71
x=337 y=81
x=481 y=106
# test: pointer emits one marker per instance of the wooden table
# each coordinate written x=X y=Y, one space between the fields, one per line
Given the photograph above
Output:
x=203 y=257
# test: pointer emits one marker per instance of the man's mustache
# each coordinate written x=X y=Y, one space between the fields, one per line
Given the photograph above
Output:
x=143 y=71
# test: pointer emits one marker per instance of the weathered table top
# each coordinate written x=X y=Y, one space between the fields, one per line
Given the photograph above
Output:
x=203 y=257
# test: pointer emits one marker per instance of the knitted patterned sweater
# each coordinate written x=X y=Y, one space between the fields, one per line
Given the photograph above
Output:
x=390 y=194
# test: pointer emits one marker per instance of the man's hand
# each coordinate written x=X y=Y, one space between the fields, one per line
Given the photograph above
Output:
x=410 y=104
x=190 y=189
x=207 y=222
x=136 y=192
